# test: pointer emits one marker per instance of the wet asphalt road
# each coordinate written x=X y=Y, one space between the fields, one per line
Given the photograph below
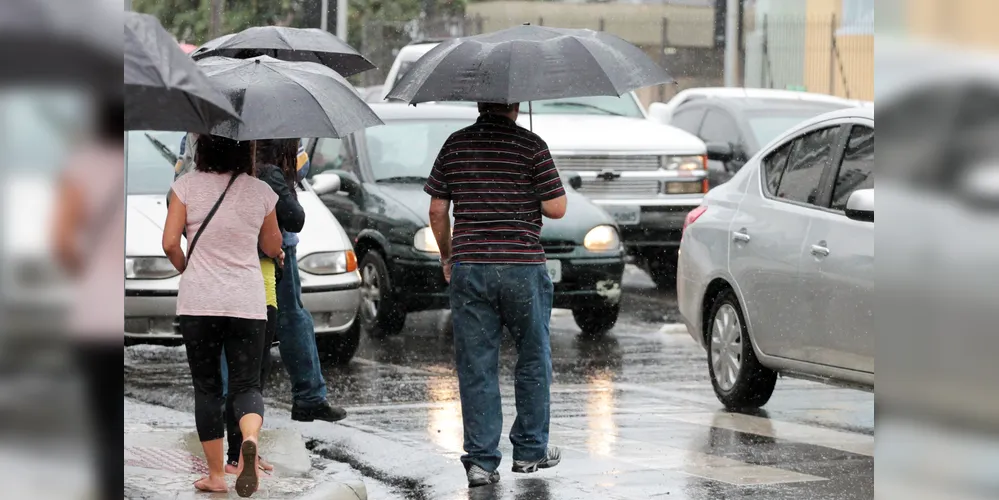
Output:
x=634 y=414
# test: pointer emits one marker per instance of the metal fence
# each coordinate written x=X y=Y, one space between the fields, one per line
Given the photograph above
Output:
x=381 y=40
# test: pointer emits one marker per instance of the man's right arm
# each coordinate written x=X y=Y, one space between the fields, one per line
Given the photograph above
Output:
x=548 y=185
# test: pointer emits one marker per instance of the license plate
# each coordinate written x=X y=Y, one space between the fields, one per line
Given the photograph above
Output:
x=625 y=216
x=554 y=270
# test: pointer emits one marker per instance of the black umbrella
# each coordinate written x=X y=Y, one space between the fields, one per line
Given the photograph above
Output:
x=528 y=63
x=61 y=41
x=286 y=100
x=164 y=89
x=288 y=44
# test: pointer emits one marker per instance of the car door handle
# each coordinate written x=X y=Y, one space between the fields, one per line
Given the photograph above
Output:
x=819 y=250
x=741 y=236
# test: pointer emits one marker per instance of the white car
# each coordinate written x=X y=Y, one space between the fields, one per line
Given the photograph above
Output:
x=663 y=111
x=776 y=267
x=646 y=175
x=328 y=267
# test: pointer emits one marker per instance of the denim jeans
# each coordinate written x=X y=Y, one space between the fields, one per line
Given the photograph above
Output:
x=297 y=336
x=484 y=299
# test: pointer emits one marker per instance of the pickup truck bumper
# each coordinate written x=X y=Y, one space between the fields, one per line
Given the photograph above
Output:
x=659 y=223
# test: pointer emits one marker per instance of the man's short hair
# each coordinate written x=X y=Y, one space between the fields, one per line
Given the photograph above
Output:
x=499 y=108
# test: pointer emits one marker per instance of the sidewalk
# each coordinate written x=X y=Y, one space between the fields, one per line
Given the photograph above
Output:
x=163 y=458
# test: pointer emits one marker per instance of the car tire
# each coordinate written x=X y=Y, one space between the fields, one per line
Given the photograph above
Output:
x=337 y=349
x=661 y=266
x=381 y=314
x=595 y=322
x=739 y=379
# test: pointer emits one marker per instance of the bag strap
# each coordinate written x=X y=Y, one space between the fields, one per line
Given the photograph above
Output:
x=208 y=218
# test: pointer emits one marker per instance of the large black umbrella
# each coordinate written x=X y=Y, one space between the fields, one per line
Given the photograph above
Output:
x=528 y=63
x=286 y=100
x=288 y=44
x=60 y=41
x=164 y=89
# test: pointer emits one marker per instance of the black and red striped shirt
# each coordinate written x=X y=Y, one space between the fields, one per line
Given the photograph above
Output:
x=497 y=174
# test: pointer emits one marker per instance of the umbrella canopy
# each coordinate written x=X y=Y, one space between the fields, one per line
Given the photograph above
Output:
x=286 y=100
x=187 y=48
x=60 y=41
x=528 y=63
x=289 y=44
x=164 y=89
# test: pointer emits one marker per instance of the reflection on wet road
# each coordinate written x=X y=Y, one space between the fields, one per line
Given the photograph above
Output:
x=634 y=414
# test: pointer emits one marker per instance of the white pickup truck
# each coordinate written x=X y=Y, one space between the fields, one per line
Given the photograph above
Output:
x=645 y=174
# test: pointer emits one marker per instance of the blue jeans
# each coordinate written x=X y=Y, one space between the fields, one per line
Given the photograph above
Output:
x=297 y=336
x=484 y=298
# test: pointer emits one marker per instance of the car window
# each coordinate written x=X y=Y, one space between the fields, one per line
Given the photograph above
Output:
x=407 y=149
x=688 y=119
x=773 y=168
x=330 y=154
x=150 y=160
x=624 y=105
x=719 y=127
x=857 y=169
x=811 y=155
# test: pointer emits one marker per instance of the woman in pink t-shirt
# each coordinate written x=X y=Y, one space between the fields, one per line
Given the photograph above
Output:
x=221 y=302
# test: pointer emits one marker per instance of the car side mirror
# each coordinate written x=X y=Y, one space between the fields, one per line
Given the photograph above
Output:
x=720 y=151
x=326 y=183
x=860 y=205
x=574 y=180
x=659 y=111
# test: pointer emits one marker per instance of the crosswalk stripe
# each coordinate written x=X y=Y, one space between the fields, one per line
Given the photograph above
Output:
x=850 y=442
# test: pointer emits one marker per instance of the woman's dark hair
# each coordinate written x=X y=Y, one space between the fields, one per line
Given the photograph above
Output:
x=219 y=155
x=282 y=153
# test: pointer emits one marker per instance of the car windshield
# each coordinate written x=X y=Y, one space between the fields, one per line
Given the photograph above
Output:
x=404 y=151
x=149 y=154
x=596 y=105
x=767 y=125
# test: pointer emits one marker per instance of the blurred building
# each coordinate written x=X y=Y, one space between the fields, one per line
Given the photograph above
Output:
x=824 y=46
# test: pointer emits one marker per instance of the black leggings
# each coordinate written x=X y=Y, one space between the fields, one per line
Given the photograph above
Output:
x=232 y=431
x=205 y=337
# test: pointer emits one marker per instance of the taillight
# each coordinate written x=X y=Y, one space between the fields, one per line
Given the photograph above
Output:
x=693 y=215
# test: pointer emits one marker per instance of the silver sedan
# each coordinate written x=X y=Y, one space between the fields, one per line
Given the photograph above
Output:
x=776 y=267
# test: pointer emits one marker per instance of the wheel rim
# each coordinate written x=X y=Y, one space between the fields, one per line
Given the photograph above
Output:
x=726 y=347
x=371 y=292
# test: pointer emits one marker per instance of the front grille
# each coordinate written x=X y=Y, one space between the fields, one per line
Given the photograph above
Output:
x=555 y=247
x=618 y=188
x=596 y=163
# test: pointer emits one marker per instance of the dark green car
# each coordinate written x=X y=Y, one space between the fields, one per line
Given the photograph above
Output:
x=374 y=186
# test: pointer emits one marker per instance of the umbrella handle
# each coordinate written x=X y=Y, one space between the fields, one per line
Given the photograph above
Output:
x=530 y=115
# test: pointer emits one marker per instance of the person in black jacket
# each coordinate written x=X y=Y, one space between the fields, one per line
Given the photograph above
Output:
x=276 y=165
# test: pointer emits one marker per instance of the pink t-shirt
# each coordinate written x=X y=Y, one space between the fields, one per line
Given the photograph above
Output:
x=223 y=276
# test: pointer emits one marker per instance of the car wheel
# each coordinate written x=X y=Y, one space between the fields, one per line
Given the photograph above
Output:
x=595 y=322
x=339 y=348
x=661 y=266
x=381 y=312
x=739 y=380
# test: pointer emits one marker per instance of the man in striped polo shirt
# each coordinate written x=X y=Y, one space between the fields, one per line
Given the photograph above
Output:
x=501 y=179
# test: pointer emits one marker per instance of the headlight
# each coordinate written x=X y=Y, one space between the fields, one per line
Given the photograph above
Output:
x=602 y=239
x=684 y=162
x=329 y=262
x=149 y=268
x=425 y=241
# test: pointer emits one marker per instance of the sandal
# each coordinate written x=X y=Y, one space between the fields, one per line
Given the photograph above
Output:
x=247 y=481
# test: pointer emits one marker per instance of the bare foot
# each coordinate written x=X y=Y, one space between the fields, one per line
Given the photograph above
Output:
x=262 y=464
x=248 y=480
x=211 y=484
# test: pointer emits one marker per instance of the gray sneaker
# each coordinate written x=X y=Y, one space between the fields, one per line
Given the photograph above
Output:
x=477 y=476
x=552 y=457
